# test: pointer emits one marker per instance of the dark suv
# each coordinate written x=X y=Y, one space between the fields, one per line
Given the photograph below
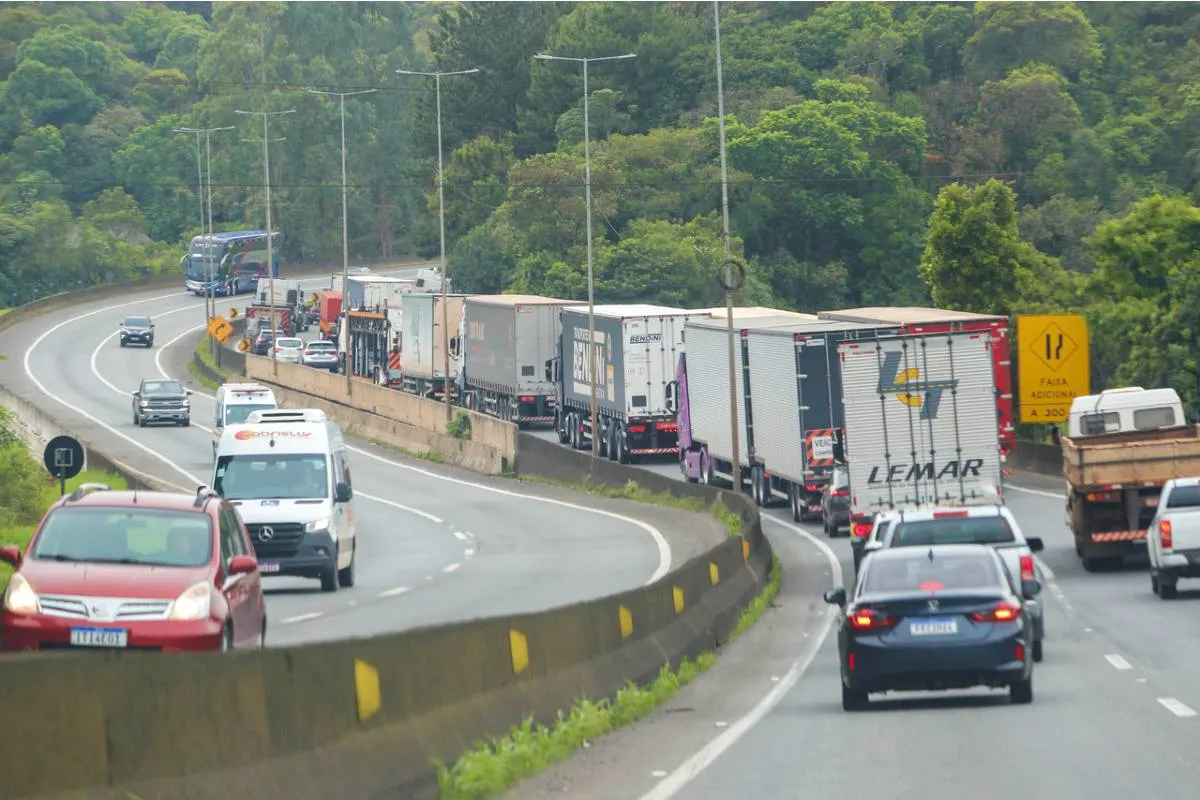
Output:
x=262 y=343
x=835 y=501
x=161 y=400
x=137 y=330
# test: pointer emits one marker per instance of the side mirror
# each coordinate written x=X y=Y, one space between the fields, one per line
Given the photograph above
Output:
x=135 y=392
x=241 y=565
x=1031 y=588
x=189 y=391
x=11 y=554
x=1036 y=545
x=152 y=325
x=835 y=597
x=342 y=493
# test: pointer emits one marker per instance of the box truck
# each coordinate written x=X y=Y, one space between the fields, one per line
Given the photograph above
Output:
x=509 y=341
x=920 y=423
x=636 y=351
x=425 y=341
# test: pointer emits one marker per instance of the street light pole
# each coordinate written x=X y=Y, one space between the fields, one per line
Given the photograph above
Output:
x=270 y=234
x=345 y=227
x=733 y=416
x=437 y=82
x=587 y=183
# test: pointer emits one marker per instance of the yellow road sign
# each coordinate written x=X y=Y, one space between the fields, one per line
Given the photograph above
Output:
x=1054 y=364
x=219 y=328
x=244 y=346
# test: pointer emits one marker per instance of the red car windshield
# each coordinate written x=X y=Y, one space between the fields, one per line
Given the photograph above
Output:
x=153 y=537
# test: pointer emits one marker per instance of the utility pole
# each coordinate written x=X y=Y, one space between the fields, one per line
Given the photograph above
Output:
x=345 y=229
x=437 y=82
x=593 y=367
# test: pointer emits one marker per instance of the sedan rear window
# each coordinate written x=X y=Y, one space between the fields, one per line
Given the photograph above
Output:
x=959 y=572
x=953 y=530
x=289 y=343
x=318 y=346
x=1184 y=497
x=126 y=536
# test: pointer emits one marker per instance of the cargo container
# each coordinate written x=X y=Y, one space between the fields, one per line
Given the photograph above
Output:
x=913 y=320
x=375 y=291
x=425 y=342
x=374 y=347
x=329 y=305
x=636 y=351
x=920 y=423
x=510 y=341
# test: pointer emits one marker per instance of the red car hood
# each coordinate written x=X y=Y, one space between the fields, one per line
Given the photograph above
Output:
x=110 y=580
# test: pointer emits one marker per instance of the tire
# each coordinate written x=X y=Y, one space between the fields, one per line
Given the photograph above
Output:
x=1021 y=692
x=1154 y=583
x=1037 y=652
x=1167 y=591
x=613 y=444
x=794 y=500
x=346 y=576
x=825 y=526
x=329 y=579
x=560 y=428
x=141 y=422
x=187 y=422
x=122 y=343
x=710 y=476
x=227 y=639
x=262 y=636
x=854 y=699
x=1092 y=564
x=136 y=421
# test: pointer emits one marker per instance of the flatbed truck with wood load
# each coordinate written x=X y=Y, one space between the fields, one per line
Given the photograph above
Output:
x=1122 y=446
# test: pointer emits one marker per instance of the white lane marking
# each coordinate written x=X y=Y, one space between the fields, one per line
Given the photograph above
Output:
x=1038 y=492
x=451 y=567
x=300 y=618
x=693 y=766
x=1045 y=569
x=1175 y=707
x=664 y=549
x=460 y=536
x=1118 y=662
x=399 y=590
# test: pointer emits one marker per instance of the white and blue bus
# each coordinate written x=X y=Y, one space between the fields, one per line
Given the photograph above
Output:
x=229 y=263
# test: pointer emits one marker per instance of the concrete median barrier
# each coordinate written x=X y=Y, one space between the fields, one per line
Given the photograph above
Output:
x=1044 y=459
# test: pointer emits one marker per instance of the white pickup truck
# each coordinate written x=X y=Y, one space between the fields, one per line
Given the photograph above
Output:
x=1173 y=542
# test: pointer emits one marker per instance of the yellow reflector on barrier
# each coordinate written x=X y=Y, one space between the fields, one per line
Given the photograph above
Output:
x=678 y=594
x=714 y=574
x=626 y=617
x=366 y=687
x=745 y=549
x=518 y=646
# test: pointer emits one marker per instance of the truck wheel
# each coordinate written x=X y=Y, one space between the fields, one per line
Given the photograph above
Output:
x=612 y=446
x=1167 y=591
x=794 y=502
x=560 y=427
x=710 y=477
x=1092 y=564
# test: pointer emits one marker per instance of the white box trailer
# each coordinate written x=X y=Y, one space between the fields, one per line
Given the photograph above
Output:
x=424 y=342
x=921 y=423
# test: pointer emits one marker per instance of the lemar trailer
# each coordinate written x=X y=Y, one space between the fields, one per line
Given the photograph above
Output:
x=920 y=422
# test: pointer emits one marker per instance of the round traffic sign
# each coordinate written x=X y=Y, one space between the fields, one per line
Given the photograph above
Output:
x=731 y=275
x=64 y=457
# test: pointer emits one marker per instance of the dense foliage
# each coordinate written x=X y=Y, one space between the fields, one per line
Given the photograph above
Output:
x=1002 y=157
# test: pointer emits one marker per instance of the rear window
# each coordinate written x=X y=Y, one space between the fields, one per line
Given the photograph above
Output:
x=126 y=536
x=953 y=530
x=1097 y=424
x=289 y=343
x=1184 y=497
x=959 y=572
x=840 y=478
x=1147 y=418
x=315 y=346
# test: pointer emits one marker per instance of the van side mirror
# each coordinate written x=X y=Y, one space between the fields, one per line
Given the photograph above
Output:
x=342 y=493
x=241 y=565
x=835 y=597
x=672 y=396
x=549 y=371
x=1035 y=543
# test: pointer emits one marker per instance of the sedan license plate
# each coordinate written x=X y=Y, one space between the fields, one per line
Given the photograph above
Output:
x=934 y=627
x=267 y=567
x=99 y=637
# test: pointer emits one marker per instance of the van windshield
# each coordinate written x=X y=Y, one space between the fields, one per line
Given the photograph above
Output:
x=237 y=415
x=274 y=476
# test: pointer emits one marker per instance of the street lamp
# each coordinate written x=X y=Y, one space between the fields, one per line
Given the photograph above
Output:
x=210 y=292
x=345 y=225
x=587 y=182
x=728 y=284
x=437 y=82
x=270 y=234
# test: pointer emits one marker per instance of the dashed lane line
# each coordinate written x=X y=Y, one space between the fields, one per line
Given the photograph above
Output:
x=1176 y=707
x=1118 y=662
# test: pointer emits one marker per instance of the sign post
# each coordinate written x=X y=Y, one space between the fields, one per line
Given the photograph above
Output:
x=64 y=459
x=1054 y=366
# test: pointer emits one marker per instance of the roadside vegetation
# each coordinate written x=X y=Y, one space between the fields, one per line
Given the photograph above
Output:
x=493 y=767
x=204 y=352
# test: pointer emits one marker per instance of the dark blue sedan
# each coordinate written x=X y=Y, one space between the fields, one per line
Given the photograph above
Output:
x=933 y=619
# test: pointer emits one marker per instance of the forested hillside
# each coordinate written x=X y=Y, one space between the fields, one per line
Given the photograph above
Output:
x=1004 y=157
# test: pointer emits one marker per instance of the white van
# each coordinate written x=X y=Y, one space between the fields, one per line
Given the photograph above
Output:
x=288 y=473
x=1124 y=410
x=235 y=402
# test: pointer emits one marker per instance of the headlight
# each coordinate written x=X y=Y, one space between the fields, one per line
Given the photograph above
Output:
x=317 y=525
x=144 y=403
x=194 y=603
x=186 y=402
x=20 y=597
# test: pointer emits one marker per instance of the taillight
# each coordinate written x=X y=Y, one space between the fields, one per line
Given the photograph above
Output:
x=862 y=529
x=1027 y=568
x=866 y=619
x=840 y=493
x=637 y=428
x=1003 y=612
x=528 y=399
x=944 y=514
x=1164 y=534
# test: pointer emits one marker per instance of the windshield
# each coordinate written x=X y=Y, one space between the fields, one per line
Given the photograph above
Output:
x=922 y=573
x=137 y=322
x=162 y=387
x=953 y=530
x=237 y=415
x=279 y=476
x=292 y=344
x=126 y=536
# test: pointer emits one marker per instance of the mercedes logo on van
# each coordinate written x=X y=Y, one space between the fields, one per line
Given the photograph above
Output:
x=933 y=605
x=266 y=533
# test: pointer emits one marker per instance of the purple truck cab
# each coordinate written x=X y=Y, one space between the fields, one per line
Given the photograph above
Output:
x=691 y=455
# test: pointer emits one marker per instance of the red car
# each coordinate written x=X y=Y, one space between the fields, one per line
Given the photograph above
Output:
x=135 y=571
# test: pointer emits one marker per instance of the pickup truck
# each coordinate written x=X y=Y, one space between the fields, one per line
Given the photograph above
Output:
x=991 y=525
x=1174 y=540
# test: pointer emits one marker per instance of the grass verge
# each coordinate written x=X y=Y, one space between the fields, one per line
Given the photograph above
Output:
x=491 y=768
x=633 y=490
x=203 y=351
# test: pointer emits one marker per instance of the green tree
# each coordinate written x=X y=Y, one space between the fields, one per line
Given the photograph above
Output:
x=1011 y=35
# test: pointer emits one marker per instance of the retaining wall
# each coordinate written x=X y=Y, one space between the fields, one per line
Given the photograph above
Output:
x=1044 y=459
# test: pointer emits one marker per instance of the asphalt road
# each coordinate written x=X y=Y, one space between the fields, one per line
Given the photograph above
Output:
x=435 y=544
x=1114 y=711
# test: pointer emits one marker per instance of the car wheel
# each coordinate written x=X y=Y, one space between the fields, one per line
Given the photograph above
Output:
x=1021 y=692
x=136 y=421
x=1167 y=591
x=329 y=579
x=825 y=526
x=262 y=636
x=853 y=699
x=141 y=421
x=346 y=576
x=1154 y=583
x=122 y=343
x=227 y=639
x=187 y=421
x=1037 y=652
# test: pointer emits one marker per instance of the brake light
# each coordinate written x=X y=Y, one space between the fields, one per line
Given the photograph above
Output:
x=866 y=619
x=1103 y=496
x=946 y=514
x=862 y=529
x=840 y=493
x=932 y=586
x=637 y=428
x=1027 y=568
x=528 y=399
x=666 y=426
x=1003 y=612
x=1164 y=534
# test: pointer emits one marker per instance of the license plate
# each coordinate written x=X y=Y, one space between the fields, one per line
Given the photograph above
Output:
x=934 y=627
x=99 y=637
x=1151 y=502
x=268 y=567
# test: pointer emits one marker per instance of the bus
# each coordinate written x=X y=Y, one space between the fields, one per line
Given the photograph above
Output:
x=229 y=263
